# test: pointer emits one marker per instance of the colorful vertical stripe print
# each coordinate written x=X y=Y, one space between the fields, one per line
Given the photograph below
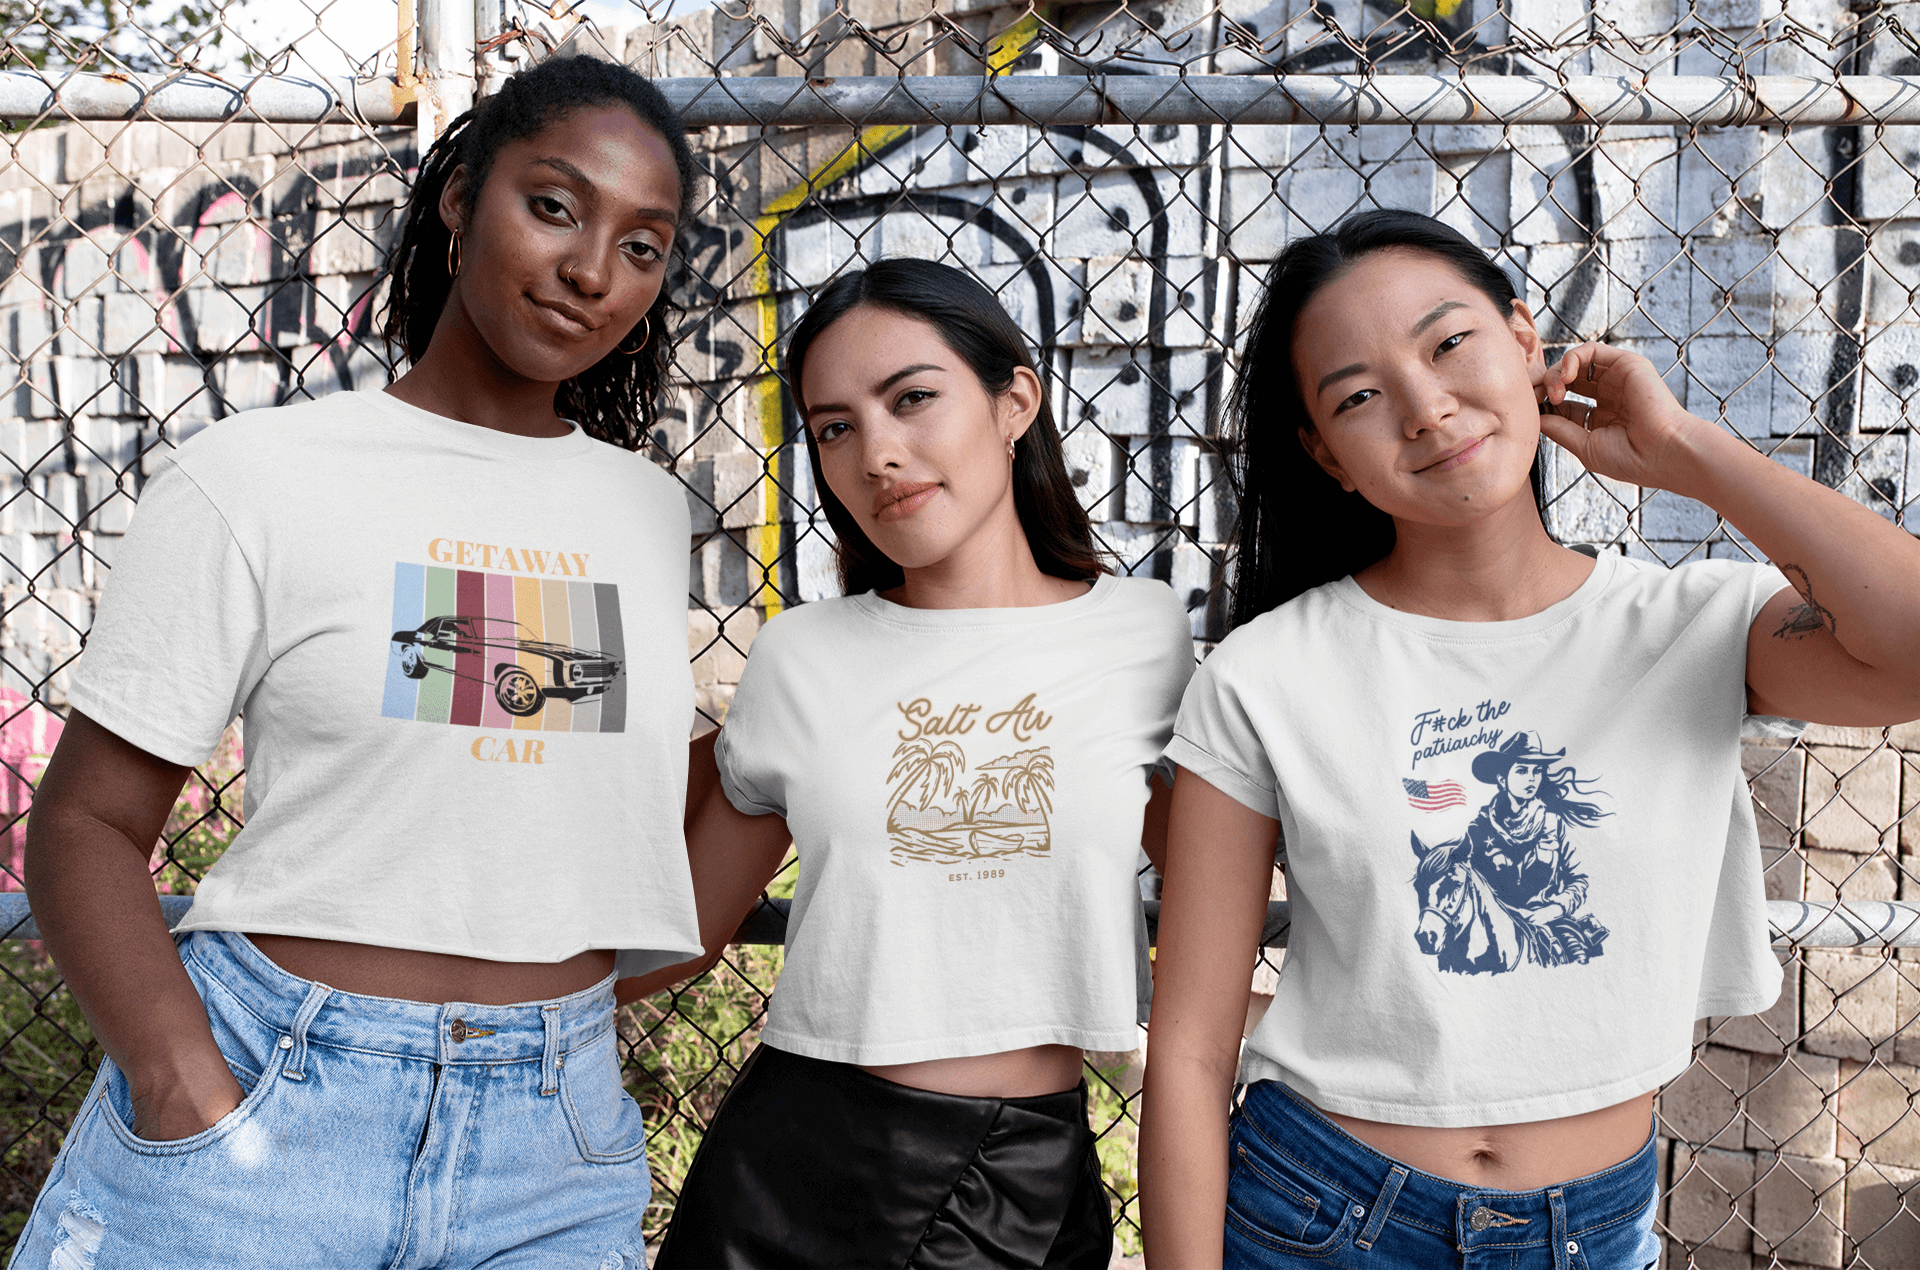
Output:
x=496 y=650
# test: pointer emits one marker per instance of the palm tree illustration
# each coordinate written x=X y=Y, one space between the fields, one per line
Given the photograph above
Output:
x=1029 y=780
x=971 y=802
x=929 y=767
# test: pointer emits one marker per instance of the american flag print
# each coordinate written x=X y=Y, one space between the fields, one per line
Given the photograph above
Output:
x=1434 y=795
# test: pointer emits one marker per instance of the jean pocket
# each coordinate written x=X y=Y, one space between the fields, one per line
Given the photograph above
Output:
x=116 y=1098
x=1273 y=1200
x=608 y=1126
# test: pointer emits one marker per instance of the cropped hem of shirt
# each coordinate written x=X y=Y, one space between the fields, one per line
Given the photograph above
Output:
x=461 y=659
x=970 y=1046
x=966 y=790
x=648 y=958
x=1255 y=1066
x=1739 y=1005
x=1521 y=856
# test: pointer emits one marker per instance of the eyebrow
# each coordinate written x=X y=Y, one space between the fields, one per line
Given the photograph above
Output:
x=883 y=385
x=572 y=173
x=1439 y=311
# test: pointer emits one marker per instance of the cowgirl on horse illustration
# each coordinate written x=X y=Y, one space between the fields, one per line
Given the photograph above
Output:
x=1516 y=859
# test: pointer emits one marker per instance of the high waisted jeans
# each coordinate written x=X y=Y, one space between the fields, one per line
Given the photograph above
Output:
x=374 y=1133
x=1304 y=1192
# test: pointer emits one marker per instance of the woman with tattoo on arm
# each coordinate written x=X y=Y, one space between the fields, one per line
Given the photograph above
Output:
x=1521 y=855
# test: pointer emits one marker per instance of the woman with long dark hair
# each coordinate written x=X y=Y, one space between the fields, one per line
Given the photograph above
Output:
x=960 y=751
x=453 y=614
x=1459 y=1063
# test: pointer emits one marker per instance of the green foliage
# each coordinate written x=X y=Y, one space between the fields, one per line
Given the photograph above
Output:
x=203 y=821
x=125 y=35
x=47 y=1061
x=1114 y=1117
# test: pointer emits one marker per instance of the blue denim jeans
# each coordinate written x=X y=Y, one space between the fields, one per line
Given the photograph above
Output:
x=374 y=1133
x=1301 y=1191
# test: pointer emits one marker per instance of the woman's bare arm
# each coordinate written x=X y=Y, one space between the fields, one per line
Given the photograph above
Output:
x=1840 y=647
x=733 y=857
x=96 y=815
x=1153 y=826
x=1213 y=904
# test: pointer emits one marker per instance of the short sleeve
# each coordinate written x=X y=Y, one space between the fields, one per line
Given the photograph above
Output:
x=1216 y=739
x=179 y=640
x=753 y=740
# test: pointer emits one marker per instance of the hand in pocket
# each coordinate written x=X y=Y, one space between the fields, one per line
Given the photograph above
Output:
x=166 y=1110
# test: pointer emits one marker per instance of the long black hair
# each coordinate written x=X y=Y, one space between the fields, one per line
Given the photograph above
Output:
x=616 y=399
x=1297 y=529
x=971 y=322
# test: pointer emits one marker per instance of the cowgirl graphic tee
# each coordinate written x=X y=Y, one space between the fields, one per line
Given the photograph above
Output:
x=461 y=656
x=1521 y=855
x=966 y=789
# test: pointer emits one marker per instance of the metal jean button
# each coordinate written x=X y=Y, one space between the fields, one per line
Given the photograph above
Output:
x=1480 y=1218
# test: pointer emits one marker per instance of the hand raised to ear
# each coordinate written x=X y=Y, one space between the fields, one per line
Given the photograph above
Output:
x=1631 y=430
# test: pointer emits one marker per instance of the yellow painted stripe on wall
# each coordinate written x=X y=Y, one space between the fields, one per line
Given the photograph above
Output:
x=764 y=539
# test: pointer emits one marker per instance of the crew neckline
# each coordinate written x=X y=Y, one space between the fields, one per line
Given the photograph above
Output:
x=1606 y=567
x=1027 y=615
x=472 y=435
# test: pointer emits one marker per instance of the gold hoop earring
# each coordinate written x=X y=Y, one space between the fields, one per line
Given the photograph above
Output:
x=641 y=347
x=453 y=256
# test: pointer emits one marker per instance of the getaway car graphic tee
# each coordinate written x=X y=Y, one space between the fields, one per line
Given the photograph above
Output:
x=966 y=789
x=461 y=658
x=1521 y=855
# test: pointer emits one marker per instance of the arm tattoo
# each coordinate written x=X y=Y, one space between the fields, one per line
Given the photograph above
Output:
x=1806 y=618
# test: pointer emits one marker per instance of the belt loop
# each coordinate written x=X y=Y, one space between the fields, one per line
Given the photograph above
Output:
x=296 y=1068
x=550 y=1060
x=1382 y=1205
x=1557 y=1205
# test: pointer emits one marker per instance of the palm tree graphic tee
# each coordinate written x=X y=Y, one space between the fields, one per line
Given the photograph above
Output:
x=1521 y=855
x=965 y=789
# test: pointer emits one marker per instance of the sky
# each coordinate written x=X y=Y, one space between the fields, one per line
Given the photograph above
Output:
x=333 y=37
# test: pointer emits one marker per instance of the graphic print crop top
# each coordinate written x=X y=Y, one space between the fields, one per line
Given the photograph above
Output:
x=1521 y=855
x=966 y=789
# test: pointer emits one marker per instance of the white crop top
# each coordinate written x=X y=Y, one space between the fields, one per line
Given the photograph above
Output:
x=965 y=788
x=461 y=658
x=1521 y=855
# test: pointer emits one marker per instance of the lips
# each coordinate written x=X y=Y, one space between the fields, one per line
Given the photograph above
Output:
x=1453 y=458
x=899 y=501
x=564 y=316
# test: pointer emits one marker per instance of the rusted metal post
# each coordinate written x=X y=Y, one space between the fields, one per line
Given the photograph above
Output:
x=445 y=89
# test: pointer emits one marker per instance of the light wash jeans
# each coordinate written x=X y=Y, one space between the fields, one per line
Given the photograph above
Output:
x=375 y=1134
x=1301 y=1191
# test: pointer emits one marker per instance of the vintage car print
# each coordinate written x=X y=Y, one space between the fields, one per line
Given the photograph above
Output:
x=570 y=674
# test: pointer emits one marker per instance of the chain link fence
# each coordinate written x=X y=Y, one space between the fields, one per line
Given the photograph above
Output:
x=195 y=205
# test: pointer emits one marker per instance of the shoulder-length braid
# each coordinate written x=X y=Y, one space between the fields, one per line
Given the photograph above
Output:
x=971 y=322
x=615 y=400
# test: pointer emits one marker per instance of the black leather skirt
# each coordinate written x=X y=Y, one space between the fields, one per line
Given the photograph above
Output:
x=816 y=1164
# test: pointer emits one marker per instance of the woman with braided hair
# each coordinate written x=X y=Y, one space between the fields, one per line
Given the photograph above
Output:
x=453 y=615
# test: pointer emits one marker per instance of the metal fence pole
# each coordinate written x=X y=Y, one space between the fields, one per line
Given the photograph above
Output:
x=447 y=49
